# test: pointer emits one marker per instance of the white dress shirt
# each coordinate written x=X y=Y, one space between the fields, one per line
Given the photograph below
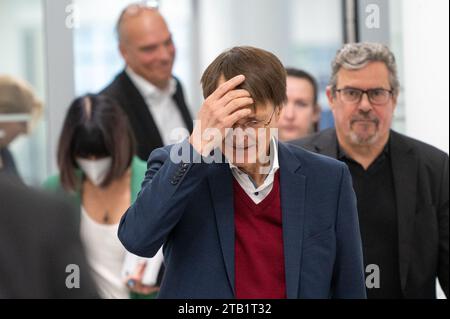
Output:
x=162 y=107
x=257 y=194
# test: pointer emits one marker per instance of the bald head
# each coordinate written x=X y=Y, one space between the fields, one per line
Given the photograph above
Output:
x=133 y=16
x=146 y=45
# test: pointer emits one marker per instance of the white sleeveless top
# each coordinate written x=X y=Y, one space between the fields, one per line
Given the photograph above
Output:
x=105 y=255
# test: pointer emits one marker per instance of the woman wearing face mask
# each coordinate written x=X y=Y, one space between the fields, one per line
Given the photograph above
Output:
x=19 y=110
x=97 y=167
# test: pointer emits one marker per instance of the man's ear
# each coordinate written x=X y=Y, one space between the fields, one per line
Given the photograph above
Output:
x=330 y=96
x=277 y=114
x=279 y=109
x=123 y=51
x=317 y=113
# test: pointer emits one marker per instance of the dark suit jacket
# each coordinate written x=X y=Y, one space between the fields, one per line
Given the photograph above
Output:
x=189 y=208
x=38 y=240
x=7 y=165
x=144 y=128
x=421 y=185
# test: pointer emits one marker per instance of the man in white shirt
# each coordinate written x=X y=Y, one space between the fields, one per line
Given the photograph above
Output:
x=257 y=193
x=147 y=91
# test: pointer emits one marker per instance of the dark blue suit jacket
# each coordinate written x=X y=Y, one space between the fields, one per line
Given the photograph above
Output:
x=188 y=208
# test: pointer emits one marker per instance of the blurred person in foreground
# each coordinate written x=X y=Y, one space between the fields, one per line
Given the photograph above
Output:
x=40 y=249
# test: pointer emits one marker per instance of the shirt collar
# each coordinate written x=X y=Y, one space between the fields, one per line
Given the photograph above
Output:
x=342 y=155
x=385 y=154
x=274 y=163
x=147 y=89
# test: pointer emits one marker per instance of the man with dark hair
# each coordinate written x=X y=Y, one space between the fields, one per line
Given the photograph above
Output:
x=146 y=90
x=401 y=184
x=301 y=114
x=242 y=215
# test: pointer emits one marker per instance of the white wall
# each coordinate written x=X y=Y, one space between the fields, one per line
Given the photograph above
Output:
x=227 y=23
x=426 y=70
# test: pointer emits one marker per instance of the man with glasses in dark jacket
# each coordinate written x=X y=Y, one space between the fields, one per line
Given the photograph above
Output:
x=401 y=184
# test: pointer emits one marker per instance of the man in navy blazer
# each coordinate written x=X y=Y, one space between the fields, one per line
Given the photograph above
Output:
x=240 y=214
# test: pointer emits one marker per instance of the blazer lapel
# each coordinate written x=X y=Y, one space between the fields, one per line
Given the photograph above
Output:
x=220 y=181
x=293 y=197
x=181 y=104
x=140 y=112
x=405 y=170
x=327 y=144
x=292 y=188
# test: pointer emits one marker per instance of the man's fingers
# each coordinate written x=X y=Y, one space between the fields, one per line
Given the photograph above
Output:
x=234 y=94
x=236 y=116
x=142 y=270
x=139 y=272
x=237 y=104
x=227 y=86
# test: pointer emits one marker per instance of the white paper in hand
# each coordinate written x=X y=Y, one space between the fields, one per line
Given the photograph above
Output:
x=151 y=270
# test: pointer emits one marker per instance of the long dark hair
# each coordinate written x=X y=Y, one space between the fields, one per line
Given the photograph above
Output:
x=95 y=125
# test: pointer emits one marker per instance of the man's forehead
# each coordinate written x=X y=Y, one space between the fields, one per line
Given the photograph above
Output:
x=141 y=13
x=256 y=108
x=146 y=26
x=375 y=74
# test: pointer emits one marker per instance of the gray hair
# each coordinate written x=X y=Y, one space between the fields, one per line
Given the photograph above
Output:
x=355 y=56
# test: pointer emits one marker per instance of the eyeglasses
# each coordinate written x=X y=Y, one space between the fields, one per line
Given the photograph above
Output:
x=257 y=123
x=354 y=96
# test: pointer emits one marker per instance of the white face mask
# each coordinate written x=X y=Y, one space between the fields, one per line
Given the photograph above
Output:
x=95 y=170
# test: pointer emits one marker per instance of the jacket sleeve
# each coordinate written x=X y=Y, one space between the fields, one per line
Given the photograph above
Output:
x=348 y=277
x=443 y=271
x=168 y=185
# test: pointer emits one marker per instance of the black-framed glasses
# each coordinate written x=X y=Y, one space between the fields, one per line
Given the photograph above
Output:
x=257 y=123
x=376 y=96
